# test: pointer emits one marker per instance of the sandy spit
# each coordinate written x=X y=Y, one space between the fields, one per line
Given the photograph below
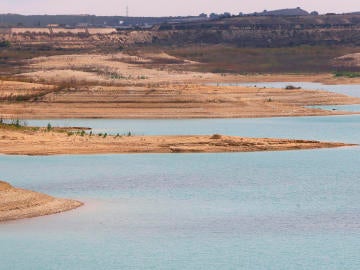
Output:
x=16 y=203
x=29 y=142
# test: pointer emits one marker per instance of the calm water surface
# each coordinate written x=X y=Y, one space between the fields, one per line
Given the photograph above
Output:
x=266 y=210
x=335 y=128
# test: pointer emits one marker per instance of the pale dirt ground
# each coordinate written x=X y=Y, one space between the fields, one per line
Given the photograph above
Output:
x=11 y=89
x=39 y=30
x=111 y=69
x=16 y=203
x=350 y=60
x=131 y=71
x=41 y=142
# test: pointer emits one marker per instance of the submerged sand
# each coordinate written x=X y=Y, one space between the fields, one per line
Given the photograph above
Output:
x=16 y=203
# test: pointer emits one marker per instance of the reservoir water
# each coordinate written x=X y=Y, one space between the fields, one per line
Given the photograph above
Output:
x=335 y=128
x=265 y=210
x=273 y=210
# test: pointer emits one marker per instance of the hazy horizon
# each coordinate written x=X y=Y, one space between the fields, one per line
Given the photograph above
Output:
x=166 y=8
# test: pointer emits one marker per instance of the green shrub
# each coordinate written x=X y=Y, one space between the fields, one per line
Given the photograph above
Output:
x=16 y=123
x=5 y=44
x=348 y=74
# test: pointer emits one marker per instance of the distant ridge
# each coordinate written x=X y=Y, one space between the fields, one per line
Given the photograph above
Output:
x=284 y=12
x=125 y=23
x=18 y=20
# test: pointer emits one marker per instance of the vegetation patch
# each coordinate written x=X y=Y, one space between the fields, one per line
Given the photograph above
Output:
x=16 y=124
x=347 y=74
x=5 y=44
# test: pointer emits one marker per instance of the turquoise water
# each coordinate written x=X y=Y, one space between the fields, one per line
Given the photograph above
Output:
x=336 y=128
x=267 y=210
x=346 y=89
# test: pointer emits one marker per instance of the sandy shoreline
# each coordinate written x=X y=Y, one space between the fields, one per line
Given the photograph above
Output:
x=19 y=203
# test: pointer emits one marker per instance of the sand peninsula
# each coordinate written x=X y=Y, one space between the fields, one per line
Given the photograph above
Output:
x=16 y=203
x=42 y=141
